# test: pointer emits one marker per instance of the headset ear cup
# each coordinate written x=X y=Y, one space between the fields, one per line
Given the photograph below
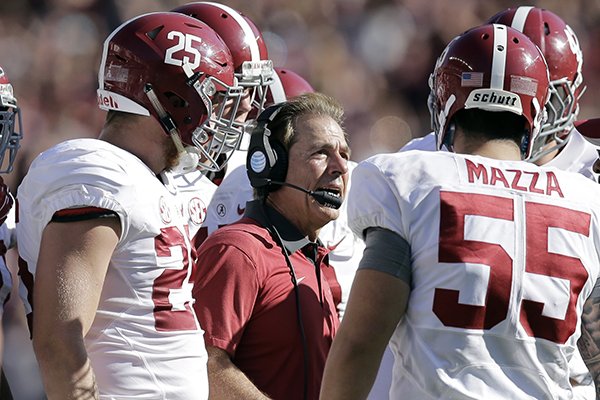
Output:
x=257 y=160
x=262 y=156
x=279 y=170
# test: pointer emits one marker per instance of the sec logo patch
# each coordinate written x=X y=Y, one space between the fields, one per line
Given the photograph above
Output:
x=197 y=210
x=165 y=211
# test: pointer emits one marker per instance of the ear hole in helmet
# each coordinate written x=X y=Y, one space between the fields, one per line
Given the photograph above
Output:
x=224 y=16
x=154 y=32
x=485 y=36
x=515 y=40
x=175 y=100
x=525 y=143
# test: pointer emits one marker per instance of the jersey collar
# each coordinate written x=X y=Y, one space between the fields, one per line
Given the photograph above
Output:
x=292 y=239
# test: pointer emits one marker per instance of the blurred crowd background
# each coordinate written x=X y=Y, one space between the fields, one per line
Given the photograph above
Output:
x=374 y=56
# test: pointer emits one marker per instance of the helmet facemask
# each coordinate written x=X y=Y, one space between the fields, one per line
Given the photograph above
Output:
x=562 y=110
x=256 y=76
x=219 y=134
x=10 y=134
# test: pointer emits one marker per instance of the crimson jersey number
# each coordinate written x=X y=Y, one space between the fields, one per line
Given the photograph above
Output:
x=454 y=248
x=171 y=291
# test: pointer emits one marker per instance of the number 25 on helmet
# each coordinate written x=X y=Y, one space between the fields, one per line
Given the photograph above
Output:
x=178 y=70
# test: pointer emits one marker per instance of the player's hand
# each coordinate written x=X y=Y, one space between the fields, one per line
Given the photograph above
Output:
x=6 y=201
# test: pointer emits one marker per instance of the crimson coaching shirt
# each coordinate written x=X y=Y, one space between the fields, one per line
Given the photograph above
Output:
x=345 y=249
x=246 y=303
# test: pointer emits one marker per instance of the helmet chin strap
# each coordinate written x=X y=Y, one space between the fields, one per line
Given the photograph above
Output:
x=188 y=156
x=449 y=136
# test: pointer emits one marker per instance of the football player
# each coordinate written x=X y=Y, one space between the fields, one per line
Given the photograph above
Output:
x=254 y=73
x=104 y=231
x=559 y=144
x=10 y=137
x=253 y=68
x=477 y=264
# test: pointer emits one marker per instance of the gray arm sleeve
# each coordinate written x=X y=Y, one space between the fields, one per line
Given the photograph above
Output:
x=387 y=252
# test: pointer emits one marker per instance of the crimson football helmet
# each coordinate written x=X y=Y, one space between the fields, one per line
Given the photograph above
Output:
x=253 y=69
x=178 y=70
x=493 y=68
x=287 y=84
x=10 y=117
x=560 y=47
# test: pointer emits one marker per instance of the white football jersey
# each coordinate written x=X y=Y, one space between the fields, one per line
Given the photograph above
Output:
x=238 y=158
x=196 y=191
x=426 y=143
x=578 y=155
x=503 y=256
x=229 y=203
x=145 y=341
x=8 y=240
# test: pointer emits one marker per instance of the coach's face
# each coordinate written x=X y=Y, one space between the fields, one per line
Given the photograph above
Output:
x=317 y=160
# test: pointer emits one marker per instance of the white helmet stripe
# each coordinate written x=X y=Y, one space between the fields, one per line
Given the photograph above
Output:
x=277 y=90
x=499 y=57
x=248 y=33
x=520 y=17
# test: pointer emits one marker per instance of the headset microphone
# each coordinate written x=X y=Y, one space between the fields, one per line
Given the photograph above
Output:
x=321 y=196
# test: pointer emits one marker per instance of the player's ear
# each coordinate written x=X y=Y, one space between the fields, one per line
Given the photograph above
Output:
x=596 y=165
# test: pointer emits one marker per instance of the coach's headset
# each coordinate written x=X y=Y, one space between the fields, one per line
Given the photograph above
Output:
x=267 y=160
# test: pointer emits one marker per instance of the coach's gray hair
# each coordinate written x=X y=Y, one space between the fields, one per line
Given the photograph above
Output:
x=283 y=126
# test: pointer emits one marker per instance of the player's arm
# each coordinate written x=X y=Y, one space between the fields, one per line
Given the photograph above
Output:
x=589 y=342
x=226 y=380
x=377 y=302
x=72 y=264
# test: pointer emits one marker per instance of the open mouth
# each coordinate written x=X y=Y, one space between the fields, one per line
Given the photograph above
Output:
x=332 y=193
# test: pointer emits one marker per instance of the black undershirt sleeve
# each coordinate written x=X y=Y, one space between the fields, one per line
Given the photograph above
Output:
x=81 y=214
x=388 y=252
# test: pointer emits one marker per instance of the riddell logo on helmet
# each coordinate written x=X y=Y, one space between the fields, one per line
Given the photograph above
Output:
x=494 y=99
x=107 y=101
